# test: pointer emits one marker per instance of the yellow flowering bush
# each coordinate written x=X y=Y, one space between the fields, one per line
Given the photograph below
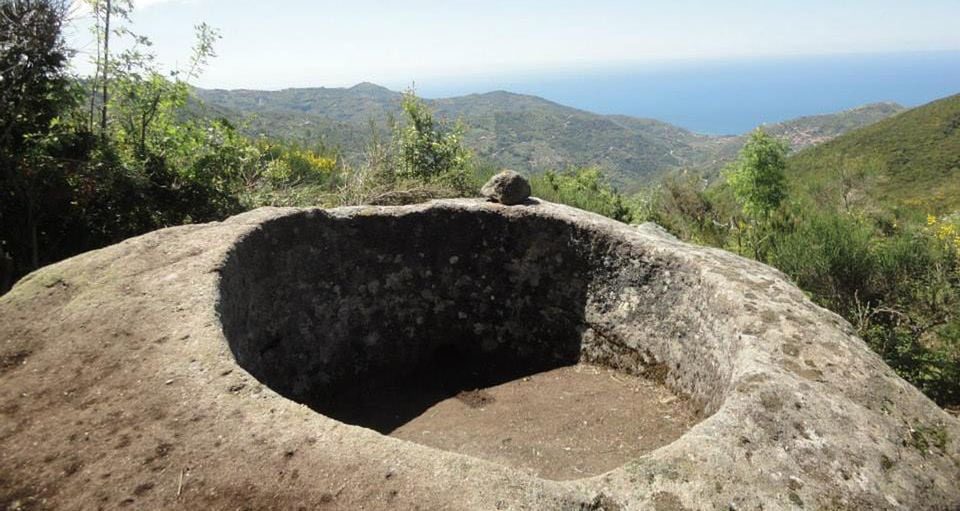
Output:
x=295 y=166
x=947 y=231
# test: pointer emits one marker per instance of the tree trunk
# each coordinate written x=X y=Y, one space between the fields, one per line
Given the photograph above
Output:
x=106 y=71
x=32 y=228
x=143 y=136
x=96 y=74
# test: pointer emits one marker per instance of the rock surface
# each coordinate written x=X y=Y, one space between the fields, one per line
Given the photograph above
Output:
x=165 y=371
x=506 y=187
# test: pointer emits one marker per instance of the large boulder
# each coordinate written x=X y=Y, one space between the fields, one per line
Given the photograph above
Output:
x=172 y=370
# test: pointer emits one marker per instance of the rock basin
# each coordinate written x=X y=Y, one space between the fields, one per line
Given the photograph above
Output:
x=216 y=366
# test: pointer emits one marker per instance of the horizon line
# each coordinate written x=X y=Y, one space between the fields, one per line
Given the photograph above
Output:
x=654 y=65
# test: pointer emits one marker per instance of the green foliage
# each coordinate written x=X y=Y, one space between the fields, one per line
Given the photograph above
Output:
x=827 y=255
x=685 y=206
x=423 y=159
x=584 y=188
x=66 y=190
x=426 y=151
x=34 y=92
x=757 y=179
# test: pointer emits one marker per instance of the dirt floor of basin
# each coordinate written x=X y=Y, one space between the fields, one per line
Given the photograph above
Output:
x=567 y=423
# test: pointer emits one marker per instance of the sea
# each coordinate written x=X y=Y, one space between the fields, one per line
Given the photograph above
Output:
x=729 y=96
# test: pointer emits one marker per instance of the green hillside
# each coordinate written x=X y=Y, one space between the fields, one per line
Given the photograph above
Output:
x=332 y=117
x=518 y=131
x=513 y=130
x=911 y=159
x=530 y=133
x=355 y=105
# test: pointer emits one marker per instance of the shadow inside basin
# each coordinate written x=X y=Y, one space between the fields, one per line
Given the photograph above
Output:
x=337 y=313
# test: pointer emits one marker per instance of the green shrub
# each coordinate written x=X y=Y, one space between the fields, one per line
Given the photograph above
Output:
x=427 y=151
x=583 y=188
x=828 y=255
x=684 y=205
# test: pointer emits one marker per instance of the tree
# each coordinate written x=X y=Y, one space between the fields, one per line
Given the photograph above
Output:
x=104 y=12
x=34 y=90
x=106 y=70
x=146 y=99
x=759 y=184
x=758 y=179
x=64 y=190
x=33 y=59
x=425 y=150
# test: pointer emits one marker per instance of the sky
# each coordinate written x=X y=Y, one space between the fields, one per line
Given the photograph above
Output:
x=273 y=44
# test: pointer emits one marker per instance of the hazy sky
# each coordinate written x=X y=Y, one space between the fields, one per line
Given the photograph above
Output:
x=297 y=43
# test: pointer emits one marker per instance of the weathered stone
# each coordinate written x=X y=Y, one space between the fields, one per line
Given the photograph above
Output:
x=507 y=187
x=172 y=367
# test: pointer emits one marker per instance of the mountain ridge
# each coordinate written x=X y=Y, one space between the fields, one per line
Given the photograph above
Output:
x=521 y=131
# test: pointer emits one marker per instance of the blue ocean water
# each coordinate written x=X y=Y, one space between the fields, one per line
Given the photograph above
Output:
x=732 y=96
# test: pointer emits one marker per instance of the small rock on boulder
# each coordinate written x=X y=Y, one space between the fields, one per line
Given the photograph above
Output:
x=507 y=187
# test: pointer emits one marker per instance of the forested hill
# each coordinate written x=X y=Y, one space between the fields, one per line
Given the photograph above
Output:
x=912 y=159
x=524 y=132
